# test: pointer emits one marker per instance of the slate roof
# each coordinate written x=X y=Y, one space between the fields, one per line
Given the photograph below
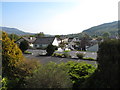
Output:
x=29 y=39
x=44 y=40
x=61 y=38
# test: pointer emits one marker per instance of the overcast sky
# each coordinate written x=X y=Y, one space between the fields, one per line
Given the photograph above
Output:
x=57 y=17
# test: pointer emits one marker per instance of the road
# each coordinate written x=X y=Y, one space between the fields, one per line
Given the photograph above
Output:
x=46 y=59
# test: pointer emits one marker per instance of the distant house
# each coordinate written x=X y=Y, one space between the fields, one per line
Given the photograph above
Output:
x=43 y=42
x=114 y=37
x=62 y=39
x=93 y=48
x=72 y=43
x=93 y=42
x=30 y=40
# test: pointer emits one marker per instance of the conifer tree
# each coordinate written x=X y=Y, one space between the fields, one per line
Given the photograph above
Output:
x=11 y=56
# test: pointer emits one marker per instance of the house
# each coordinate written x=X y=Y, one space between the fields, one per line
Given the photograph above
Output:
x=30 y=40
x=93 y=48
x=72 y=43
x=93 y=42
x=43 y=42
x=62 y=39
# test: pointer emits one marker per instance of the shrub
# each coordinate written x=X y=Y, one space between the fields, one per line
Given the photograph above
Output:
x=58 y=55
x=50 y=75
x=79 y=72
x=67 y=51
x=50 y=49
x=66 y=55
x=27 y=52
x=80 y=55
x=24 y=46
x=27 y=67
x=88 y=58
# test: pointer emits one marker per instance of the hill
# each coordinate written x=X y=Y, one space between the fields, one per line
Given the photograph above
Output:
x=112 y=28
x=14 y=31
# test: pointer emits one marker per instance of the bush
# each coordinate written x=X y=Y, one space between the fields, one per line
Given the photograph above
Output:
x=66 y=55
x=51 y=49
x=24 y=46
x=50 y=75
x=58 y=55
x=88 y=58
x=80 y=55
x=61 y=75
x=28 y=67
x=67 y=51
x=27 y=52
x=79 y=72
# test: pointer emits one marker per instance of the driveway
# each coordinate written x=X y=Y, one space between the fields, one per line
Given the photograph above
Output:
x=46 y=59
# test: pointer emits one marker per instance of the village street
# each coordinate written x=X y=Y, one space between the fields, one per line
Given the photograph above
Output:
x=46 y=59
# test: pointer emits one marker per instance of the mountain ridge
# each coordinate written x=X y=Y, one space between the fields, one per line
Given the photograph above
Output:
x=14 y=31
x=111 y=27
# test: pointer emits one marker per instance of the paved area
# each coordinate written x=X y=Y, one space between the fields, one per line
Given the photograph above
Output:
x=46 y=59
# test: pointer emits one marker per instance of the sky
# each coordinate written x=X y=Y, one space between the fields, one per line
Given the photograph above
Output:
x=57 y=17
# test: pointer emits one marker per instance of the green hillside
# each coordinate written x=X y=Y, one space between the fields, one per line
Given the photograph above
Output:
x=112 y=28
x=14 y=31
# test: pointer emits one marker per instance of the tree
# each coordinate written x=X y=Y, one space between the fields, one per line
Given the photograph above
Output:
x=119 y=33
x=50 y=49
x=86 y=36
x=13 y=37
x=79 y=72
x=11 y=56
x=50 y=75
x=57 y=36
x=41 y=34
x=106 y=35
x=24 y=46
x=84 y=42
x=14 y=66
x=107 y=73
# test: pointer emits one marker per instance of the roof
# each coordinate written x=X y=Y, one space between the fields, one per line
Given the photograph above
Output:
x=61 y=38
x=29 y=39
x=44 y=40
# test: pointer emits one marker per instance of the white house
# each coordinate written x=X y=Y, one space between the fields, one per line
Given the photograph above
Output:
x=62 y=39
x=43 y=42
x=72 y=42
